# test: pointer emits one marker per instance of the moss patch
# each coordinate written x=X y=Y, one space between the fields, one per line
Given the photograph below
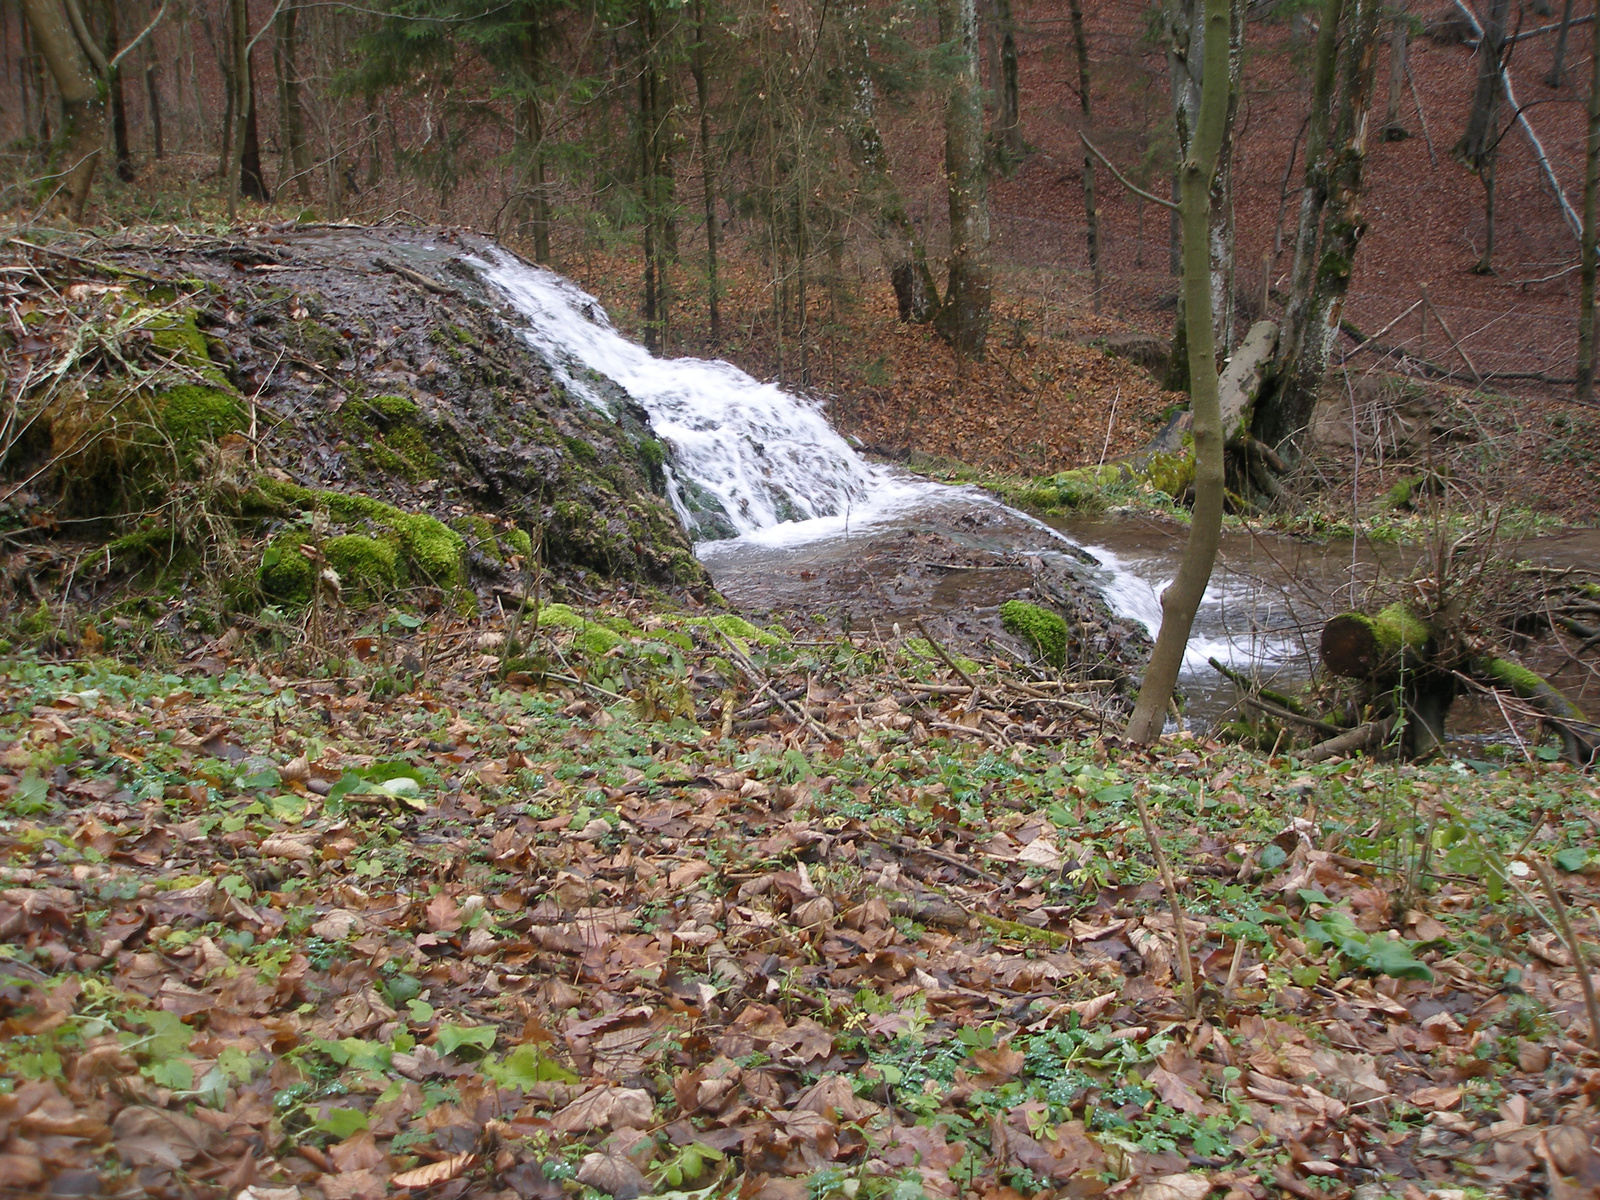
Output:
x=286 y=574
x=1044 y=630
x=191 y=413
x=366 y=566
x=429 y=547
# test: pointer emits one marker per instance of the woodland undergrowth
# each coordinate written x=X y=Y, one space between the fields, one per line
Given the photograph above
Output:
x=743 y=911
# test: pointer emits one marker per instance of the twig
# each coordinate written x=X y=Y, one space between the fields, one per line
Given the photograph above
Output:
x=1451 y=337
x=416 y=277
x=944 y=654
x=1283 y=714
x=1121 y=178
x=1190 y=999
x=1579 y=961
x=950 y=860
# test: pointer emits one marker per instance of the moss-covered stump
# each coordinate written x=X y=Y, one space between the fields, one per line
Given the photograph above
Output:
x=1042 y=629
x=1376 y=648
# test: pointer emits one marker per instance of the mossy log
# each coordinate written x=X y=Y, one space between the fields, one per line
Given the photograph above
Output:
x=1394 y=650
x=1166 y=461
x=1580 y=736
x=1376 y=648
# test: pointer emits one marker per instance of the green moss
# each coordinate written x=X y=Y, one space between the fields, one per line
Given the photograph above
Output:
x=581 y=450
x=429 y=547
x=395 y=408
x=1514 y=676
x=596 y=640
x=479 y=534
x=146 y=544
x=739 y=628
x=366 y=566
x=520 y=542
x=285 y=573
x=192 y=413
x=1044 y=630
x=180 y=341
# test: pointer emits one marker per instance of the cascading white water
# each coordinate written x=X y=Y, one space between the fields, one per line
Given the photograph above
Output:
x=763 y=456
x=752 y=464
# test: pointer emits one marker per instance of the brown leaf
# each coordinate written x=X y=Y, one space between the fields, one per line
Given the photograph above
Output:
x=1174 y=1091
x=151 y=1137
x=1437 y=1098
x=19 y=1171
x=833 y=1096
x=357 y=1153
x=365 y=1184
x=612 y=1174
x=435 y=1173
x=1188 y=1186
x=603 y=1106
x=998 y=1064
x=444 y=916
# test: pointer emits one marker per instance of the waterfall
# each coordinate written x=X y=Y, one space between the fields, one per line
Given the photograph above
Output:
x=747 y=458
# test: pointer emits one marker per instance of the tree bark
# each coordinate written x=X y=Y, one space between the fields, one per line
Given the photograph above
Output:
x=963 y=318
x=296 y=161
x=1008 y=113
x=83 y=109
x=1399 y=37
x=655 y=180
x=1331 y=223
x=121 y=153
x=708 y=177
x=1091 y=211
x=1554 y=76
x=1182 y=599
x=1591 y=191
x=152 y=92
x=1479 y=137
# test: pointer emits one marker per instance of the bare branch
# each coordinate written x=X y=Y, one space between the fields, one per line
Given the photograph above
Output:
x=1121 y=178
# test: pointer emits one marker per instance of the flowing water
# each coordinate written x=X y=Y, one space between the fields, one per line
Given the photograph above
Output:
x=780 y=505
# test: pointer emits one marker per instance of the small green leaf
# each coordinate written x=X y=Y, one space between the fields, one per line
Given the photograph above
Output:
x=451 y=1038
x=421 y=1011
x=525 y=1067
x=342 y=1122
x=1272 y=856
x=1573 y=858
x=172 y=1073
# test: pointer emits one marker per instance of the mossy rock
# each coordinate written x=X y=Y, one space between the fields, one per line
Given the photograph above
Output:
x=429 y=547
x=191 y=413
x=520 y=541
x=366 y=566
x=178 y=338
x=1044 y=630
x=394 y=408
x=596 y=640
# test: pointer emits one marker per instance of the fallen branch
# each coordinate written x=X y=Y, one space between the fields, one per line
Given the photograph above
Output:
x=1174 y=902
x=1362 y=737
x=1580 y=961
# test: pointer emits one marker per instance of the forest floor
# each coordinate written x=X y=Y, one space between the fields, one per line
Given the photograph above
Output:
x=799 y=919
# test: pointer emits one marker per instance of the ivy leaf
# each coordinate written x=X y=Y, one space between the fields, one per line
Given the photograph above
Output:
x=342 y=1123
x=524 y=1067
x=1572 y=859
x=452 y=1037
x=1390 y=956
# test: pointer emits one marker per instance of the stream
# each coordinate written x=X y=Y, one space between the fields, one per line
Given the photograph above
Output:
x=788 y=518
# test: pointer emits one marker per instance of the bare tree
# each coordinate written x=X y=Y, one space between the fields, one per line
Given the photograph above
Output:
x=83 y=107
x=1091 y=211
x=1591 y=201
x=963 y=318
x=1181 y=600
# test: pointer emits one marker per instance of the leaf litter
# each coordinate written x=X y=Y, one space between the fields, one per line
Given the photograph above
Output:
x=793 y=920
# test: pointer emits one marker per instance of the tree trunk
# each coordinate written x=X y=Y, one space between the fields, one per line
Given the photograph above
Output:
x=963 y=318
x=1393 y=130
x=1182 y=599
x=152 y=93
x=121 y=153
x=1479 y=137
x=1091 y=212
x=1591 y=191
x=655 y=181
x=83 y=110
x=1331 y=223
x=1553 y=77
x=904 y=256
x=708 y=177
x=296 y=161
x=1008 y=109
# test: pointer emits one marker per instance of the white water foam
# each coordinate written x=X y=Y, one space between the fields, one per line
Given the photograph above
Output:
x=779 y=471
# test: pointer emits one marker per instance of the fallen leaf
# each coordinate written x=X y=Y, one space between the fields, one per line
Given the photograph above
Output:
x=435 y=1173
x=612 y=1174
x=606 y=1106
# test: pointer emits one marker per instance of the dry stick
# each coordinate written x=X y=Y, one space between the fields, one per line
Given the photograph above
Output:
x=1369 y=339
x=1579 y=962
x=1422 y=117
x=1111 y=423
x=747 y=669
x=1190 y=998
x=1233 y=972
x=1451 y=337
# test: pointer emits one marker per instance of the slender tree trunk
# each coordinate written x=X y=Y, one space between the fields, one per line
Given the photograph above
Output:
x=1181 y=600
x=239 y=57
x=296 y=162
x=1480 y=132
x=1091 y=211
x=904 y=255
x=1008 y=103
x=152 y=91
x=654 y=182
x=83 y=108
x=708 y=177
x=1553 y=77
x=1393 y=130
x=963 y=318
x=118 y=100
x=1486 y=173
x=1591 y=203
x=538 y=195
